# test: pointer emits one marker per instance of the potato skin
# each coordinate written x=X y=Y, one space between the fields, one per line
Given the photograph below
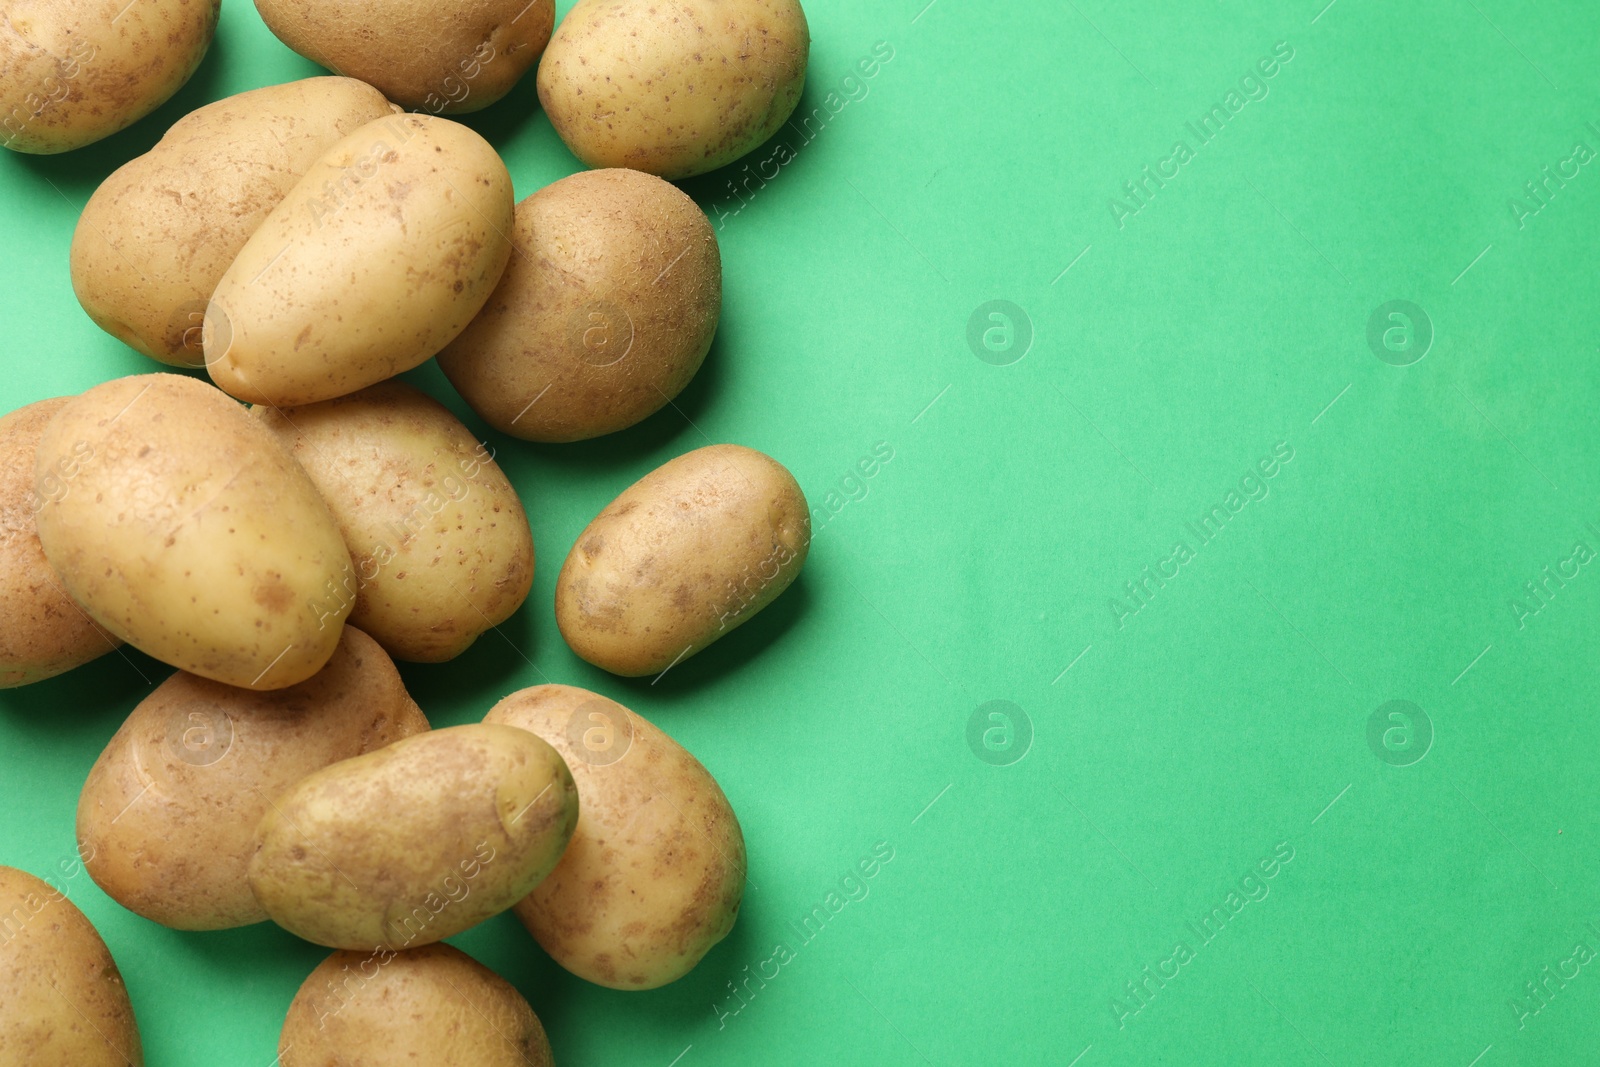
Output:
x=46 y=632
x=184 y=209
x=603 y=317
x=686 y=554
x=439 y=540
x=184 y=528
x=674 y=91
x=654 y=874
x=74 y=71
x=62 y=1000
x=167 y=817
x=433 y=1005
x=442 y=58
x=415 y=842
x=374 y=261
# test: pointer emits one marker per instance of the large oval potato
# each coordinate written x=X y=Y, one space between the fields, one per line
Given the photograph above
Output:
x=415 y=842
x=45 y=631
x=686 y=554
x=443 y=58
x=157 y=236
x=655 y=871
x=440 y=542
x=62 y=1000
x=433 y=1006
x=676 y=90
x=184 y=528
x=373 y=262
x=604 y=316
x=168 y=815
x=74 y=71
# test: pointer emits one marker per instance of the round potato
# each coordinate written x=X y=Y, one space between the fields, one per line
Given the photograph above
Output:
x=184 y=528
x=604 y=315
x=182 y=211
x=655 y=871
x=373 y=262
x=46 y=632
x=169 y=812
x=686 y=554
x=442 y=58
x=74 y=71
x=62 y=1000
x=416 y=842
x=676 y=90
x=433 y=1005
x=439 y=539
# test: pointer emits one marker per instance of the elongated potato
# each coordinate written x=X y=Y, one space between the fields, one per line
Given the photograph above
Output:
x=439 y=539
x=157 y=236
x=686 y=554
x=62 y=1000
x=415 y=842
x=654 y=873
x=373 y=262
x=184 y=528
x=169 y=813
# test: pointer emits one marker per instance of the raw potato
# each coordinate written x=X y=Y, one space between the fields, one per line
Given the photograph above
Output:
x=62 y=1000
x=376 y=259
x=444 y=58
x=45 y=631
x=433 y=1006
x=74 y=71
x=439 y=539
x=157 y=236
x=655 y=871
x=676 y=90
x=167 y=818
x=415 y=842
x=603 y=317
x=686 y=554
x=184 y=528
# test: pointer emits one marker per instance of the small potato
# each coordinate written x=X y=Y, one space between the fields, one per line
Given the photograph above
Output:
x=62 y=1001
x=686 y=554
x=439 y=539
x=184 y=528
x=604 y=316
x=74 y=71
x=168 y=816
x=157 y=236
x=373 y=262
x=434 y=1006
x=45 y=631
x=416 y=842
x=676 y=90
x=655 y=871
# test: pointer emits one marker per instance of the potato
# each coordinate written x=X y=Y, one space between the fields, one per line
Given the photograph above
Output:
x=74 y=71
x=169 y=813
x=686 y=554
x=676 y=90
x=416 y=842
x=62 y=1000
x=440 y=542
x=655 y=871
x=373 y=262
x=444 y=58
x=184 y=528
x=157 y=236
x=604 y=315
x=46 y=632
x=433 y=1006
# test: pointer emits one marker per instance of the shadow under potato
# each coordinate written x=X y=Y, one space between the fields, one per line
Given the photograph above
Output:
x=89 y=698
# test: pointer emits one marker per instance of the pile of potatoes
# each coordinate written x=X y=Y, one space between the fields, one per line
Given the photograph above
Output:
x=280 y=518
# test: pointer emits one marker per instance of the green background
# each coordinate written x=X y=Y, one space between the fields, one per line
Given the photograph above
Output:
x=1227 y=718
